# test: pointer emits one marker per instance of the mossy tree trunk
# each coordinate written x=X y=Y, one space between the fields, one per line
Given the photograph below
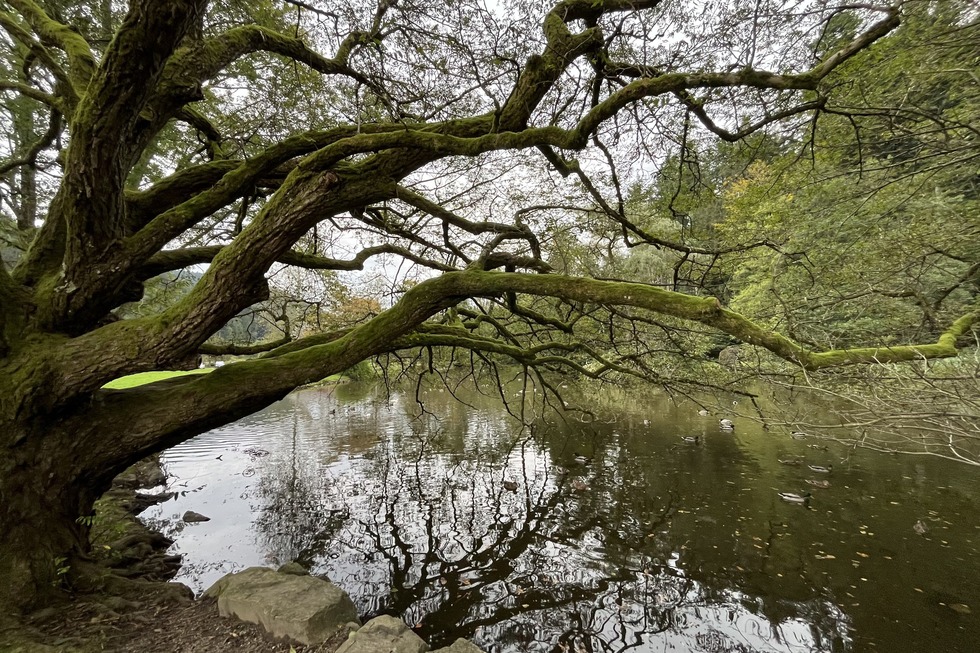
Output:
x=42 y=500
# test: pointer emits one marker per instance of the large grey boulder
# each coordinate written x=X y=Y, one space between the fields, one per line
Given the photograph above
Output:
x=384 y=634
x=460 y=646
x=307 y=609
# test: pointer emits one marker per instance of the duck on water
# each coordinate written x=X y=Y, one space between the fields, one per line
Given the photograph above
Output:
x=792 y=497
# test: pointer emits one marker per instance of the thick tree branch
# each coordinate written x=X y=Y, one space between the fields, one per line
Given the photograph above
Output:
x=65 y=87
x=175 y=259
x=165 y=414
x=192 y=66
x=225 y=349
x=231 y=185
x=31 y=92
x=88 y=370
x=176 y=189
x=80 y=58
x=215 y=54
x=87 y=216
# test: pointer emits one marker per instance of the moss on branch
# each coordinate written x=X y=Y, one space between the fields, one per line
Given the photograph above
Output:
x=163 y=416
x=229 y=187
x=80 y=58
x=216 y=53
x=704 y=310
x=65 y=87
x=945 y=347
x=175 y=189
x=243 y=350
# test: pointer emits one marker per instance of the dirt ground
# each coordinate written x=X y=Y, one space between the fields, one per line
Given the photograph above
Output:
x=157 y=622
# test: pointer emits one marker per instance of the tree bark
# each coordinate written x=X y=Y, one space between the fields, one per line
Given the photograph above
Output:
x=42 y=496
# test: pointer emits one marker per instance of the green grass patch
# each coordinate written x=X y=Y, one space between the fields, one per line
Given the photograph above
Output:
x=333 y=378
x=134 y=380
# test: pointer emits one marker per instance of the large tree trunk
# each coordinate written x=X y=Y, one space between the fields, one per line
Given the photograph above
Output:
x=42 y=496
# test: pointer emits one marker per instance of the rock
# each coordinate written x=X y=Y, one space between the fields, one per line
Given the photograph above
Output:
x=126 y=480
x=153 y=539
x=144 y=474
x=728 y=357
x=295 y=569
x=460 y=646
x=386 y=634
x=140 y=502
x=306 y=609
x=192 y=517
x=174 y=593
x=151 y=475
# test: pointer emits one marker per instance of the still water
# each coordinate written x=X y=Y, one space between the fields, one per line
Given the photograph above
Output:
x=466 y=525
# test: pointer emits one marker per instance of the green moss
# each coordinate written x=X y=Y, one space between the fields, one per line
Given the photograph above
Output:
x=330 y=380
x=134 y=380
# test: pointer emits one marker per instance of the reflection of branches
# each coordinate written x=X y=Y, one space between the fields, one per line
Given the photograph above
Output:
x=410 y=513
x=908 y=409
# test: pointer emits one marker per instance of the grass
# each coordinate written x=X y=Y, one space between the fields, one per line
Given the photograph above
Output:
x=333 y=378
x=134 y=380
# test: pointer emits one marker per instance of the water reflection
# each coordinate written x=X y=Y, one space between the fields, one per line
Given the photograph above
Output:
x=467 y=525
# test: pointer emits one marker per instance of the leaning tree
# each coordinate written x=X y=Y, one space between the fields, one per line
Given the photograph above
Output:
x=236 y=138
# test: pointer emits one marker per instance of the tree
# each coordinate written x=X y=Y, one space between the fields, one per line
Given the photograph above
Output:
x=221 y=136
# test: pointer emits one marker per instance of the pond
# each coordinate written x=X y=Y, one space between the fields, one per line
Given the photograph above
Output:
x=466 y=525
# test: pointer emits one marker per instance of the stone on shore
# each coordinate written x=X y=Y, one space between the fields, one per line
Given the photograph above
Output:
x=192 y=517
x=307 y=609
x=146 y=473
x=384 y=634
